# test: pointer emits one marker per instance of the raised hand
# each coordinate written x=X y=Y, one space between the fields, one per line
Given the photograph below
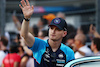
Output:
x=26 y=8
x=92 y=29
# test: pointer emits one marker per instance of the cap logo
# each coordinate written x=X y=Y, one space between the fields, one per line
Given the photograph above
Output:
x=57 y=21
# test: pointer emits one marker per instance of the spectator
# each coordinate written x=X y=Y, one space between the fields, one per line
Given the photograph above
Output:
x=82 y=49
x=93 y=31
x=60 y=15
x=84 y=29
x=49 y=17
x=35 y=30
x=25 y=57
x=95 y=46
x=3 y=44
x=24 y=52
x=42 y=23
x=16 y=22
x=12 y=59
x=43 y=34
x=70 y=30
x=27 y=60
x=70 y=40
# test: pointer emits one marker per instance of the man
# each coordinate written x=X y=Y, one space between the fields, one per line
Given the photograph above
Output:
x=3 y=48
x=51 y=52
x=95 y=46
x=12 y=59
x=82 y=49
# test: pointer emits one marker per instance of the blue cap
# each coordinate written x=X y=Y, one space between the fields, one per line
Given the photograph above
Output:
x=60 y=23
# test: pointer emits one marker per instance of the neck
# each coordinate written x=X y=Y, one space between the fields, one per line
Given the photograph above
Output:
x=80 y=46
x=54 y=44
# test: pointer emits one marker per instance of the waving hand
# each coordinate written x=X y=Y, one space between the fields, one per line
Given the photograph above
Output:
x=26 y=8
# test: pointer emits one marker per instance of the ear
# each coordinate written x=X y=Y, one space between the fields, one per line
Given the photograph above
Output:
x=65 y=33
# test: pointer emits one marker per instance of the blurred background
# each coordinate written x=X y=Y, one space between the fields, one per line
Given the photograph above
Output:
x=77 y=12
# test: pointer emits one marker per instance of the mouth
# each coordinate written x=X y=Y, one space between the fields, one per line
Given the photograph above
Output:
x=53 y=35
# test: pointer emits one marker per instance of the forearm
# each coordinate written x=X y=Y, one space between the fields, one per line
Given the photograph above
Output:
x=24 y=29
x=18 y=25
x=82 y=53
x=27 y=50
x=16 y=64
x=23 y=61
x=2 y=65
x=27 y=12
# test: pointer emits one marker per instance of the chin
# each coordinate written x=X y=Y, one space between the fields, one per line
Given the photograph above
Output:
x=54 y=39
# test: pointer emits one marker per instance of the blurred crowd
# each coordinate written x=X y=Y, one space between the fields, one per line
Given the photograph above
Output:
x=85 y=42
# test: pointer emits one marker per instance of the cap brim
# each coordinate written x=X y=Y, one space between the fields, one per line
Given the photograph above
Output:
x=56 y=26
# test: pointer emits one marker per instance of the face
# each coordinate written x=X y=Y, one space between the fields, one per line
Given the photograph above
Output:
x=77 y=41
x=40 y=23
x=70 y=41
x=56 y=34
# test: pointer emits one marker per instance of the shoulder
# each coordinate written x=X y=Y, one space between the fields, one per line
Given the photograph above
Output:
x=17 y=55
x=66 y=49
x=86 y=48
x=39 y=40
x=2 y=53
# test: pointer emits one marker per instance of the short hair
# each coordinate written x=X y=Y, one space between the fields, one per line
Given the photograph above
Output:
x=44 y=21
x=71 y=36
x=14 y=47
x=96 y=41
x=82 y=38
x=4 y=40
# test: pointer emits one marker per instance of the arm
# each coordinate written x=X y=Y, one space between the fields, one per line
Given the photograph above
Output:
x=24 y=61
x=16 y=64
x=82 y=53
x=16 y=22
x=93 y=31
x=27 y=11
x=26 y=49
x=2 y=65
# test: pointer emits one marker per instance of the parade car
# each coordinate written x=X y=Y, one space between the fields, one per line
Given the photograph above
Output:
x=85 y=62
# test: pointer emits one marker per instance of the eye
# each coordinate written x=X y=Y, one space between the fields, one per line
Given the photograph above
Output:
x=51 y=27
x=58 y=29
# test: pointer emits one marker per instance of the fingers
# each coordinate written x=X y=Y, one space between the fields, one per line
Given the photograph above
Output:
x=20 y=6
x=27 y=2
x=23 y=3
x=32 y=7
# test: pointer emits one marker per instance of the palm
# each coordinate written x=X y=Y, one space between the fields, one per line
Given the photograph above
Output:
x=26 y=8
x=27 y=11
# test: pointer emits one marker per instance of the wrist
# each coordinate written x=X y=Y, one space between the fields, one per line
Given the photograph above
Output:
x=23 y=45
x=27 y=19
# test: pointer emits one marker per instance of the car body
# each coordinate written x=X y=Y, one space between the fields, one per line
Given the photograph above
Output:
x=85 y=62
